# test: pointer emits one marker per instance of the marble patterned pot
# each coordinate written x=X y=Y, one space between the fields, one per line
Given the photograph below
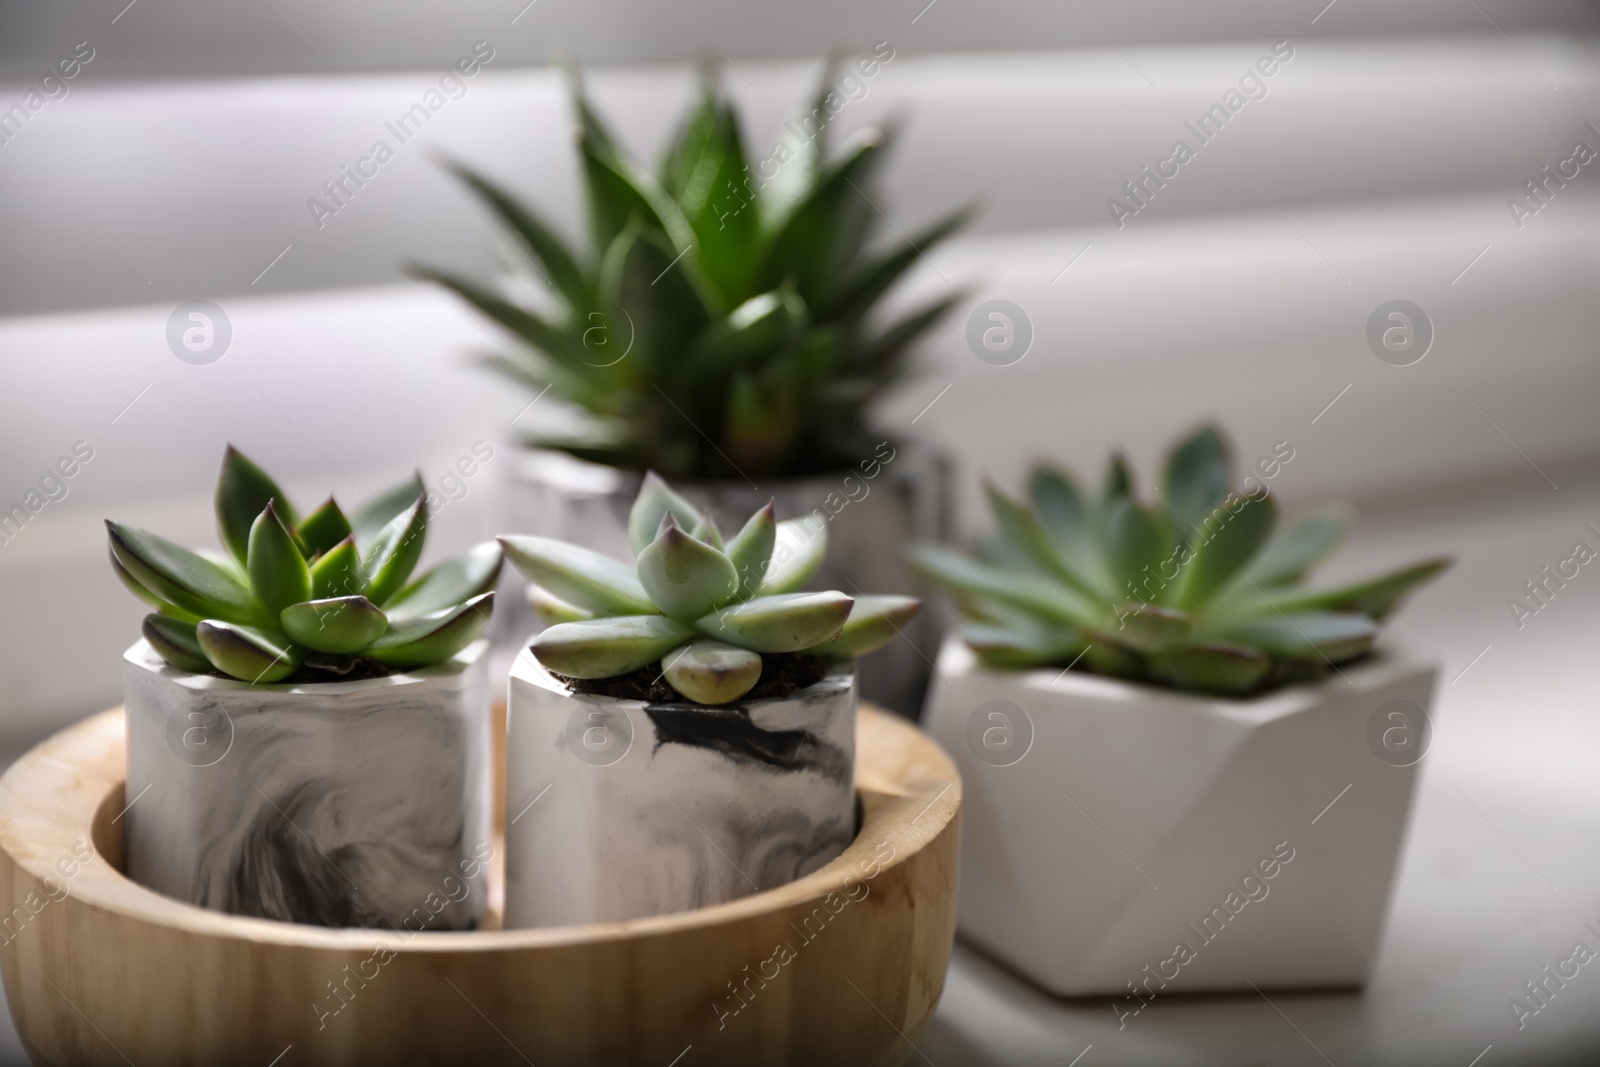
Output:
x=1121 y=834
x=898 y=496
x=362 y=803
x=617 y=809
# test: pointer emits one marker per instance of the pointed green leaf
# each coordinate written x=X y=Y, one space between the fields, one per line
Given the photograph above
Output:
x=1195 y=480
x=1139 y=546
x=806 y=153
x=377 y=514
x=1224 y=670
x=1034 y=593
x=324 y=528
x=550 y=609
x=578 y=575
x=1060 y=506
x=1116 y=483
x=799 y=547
x=711 y=672
x=873 y=622
x=868 y=283
x=146 y=595
x=657 y=499
x=1222 y=546
x=181 y=577
x=789 y=622
x=564 y=348
x=604 y=648
x=1334 y=636
x=338 y=572
x=1373 y=597
x=278 y=573
x=560 y=267
x=174 y=641
x=337 y=626
x=250 y=654
x=1028 y=539
x=819 y=240
x=685 y=577
x=751 y=549
x=1297 y=548
x=706 y=531
x=243 y=490
x=1007 y=648
x=447 y=584
x=395 y=551
x=430 y=639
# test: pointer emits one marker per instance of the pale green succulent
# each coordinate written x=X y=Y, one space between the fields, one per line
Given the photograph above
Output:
x=323 y=595
x=701 y=609
x=1198 y=592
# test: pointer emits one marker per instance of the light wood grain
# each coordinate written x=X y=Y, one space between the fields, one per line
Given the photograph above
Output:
x=99 y=970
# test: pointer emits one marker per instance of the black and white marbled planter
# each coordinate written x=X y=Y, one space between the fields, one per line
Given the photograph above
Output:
x=361 y=803
x=617 y=809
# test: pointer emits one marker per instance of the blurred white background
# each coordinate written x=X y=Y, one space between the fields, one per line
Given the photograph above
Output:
x=1379 y=165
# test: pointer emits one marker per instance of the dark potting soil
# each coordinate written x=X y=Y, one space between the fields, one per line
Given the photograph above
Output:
x=782 y=673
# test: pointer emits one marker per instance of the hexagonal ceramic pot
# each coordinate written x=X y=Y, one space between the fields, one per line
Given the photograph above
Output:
x=618 y=809
x=362 y=803
x=870 y=513
x=1133 y=841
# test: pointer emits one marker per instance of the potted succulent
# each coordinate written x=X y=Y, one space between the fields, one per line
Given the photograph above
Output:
x=721 y=330
x=683 y=733
x=1158 y=724
x=308 y=732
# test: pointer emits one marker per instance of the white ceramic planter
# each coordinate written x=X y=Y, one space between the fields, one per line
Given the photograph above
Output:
x=871 y=514
x=362 y=803
x=617 y=809
x=1109 y=824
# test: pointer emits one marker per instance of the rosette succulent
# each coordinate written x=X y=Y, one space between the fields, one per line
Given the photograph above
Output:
x=1200 y=591
x=318 y=598
x=720 y=294
x=703 y=613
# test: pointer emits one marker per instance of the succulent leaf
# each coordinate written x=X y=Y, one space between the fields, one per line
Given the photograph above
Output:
x=550 y=609
x=559 y=266
x=711 y=672
x=1060 y=506
x=447 y=584
x=146 y=595
x=338 y=626
x=873 y=622
x=789 y=622
x=1151 y=629
x=1195 y=480
x=1006 y=648
x=430 y=639
x=750 y=551
x=377 y=514
x=583 y=577
x=1222 y=546
x=1321 y=635
x=1374 y=597
x=1137 y=544
x=706 y=530
x=1225 y=670
x=181 y=577
x=324 y=528
x=174 y=641
x=684 y=576
x=394 y=552
x=338 y=572
x=250 y=654
x=603 y=648
x=243 y=491
x=278 y=573
x=1297 y=548
x=655 y=501
x=1033 y=593
x=799 y=547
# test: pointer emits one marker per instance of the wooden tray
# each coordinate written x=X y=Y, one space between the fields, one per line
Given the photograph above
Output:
x=844 y=966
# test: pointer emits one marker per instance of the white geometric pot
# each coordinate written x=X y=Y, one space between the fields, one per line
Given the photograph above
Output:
x=361 y=803
x=618 y=809
x=870 y=512
x=1131 y=841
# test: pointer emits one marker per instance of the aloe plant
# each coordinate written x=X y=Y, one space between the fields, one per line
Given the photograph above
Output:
x=1201 y=591
x=321 y=596
x=719 y=324
x=700 y=610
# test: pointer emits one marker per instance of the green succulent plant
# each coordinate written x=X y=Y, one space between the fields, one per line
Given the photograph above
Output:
x=720 y=324
x=1202 y=591
x=704 y=609
x=321 y=594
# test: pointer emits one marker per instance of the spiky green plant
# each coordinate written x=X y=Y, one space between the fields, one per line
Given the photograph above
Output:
x=321 y=595
x=720 y=323
x=704 y=609
x=1199 y=592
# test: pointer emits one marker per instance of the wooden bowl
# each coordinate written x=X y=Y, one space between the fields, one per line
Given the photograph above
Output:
x=844 y=966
